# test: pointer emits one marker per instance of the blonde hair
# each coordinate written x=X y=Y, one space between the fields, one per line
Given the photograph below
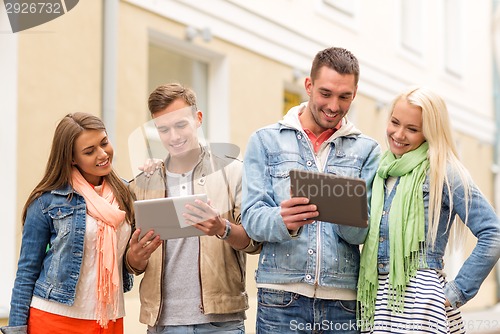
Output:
x=442 y=155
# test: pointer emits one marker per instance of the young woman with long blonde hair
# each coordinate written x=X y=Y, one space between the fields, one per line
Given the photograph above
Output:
x=420 y=189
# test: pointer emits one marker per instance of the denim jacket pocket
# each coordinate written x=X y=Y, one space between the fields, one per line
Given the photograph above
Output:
x=343 y=259
x=62 y=218
x=281 y=164
x=279 y=170
x=60 y=247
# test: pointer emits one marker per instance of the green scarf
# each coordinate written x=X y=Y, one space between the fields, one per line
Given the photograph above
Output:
x=406 y=231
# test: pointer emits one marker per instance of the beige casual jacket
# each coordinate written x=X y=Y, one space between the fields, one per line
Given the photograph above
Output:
x=222 y=268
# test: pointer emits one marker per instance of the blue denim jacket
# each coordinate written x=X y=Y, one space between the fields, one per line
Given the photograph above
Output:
x=322 y=253
x=482 y=222
x=50 y=272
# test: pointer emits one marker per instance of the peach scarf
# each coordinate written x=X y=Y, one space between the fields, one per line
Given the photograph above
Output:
x=105 y=210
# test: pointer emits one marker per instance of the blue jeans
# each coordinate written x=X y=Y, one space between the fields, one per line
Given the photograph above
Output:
x=230 y=327
x=287 y=312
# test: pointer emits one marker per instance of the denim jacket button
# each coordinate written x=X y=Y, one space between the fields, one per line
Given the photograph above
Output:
x=299 y=136
x=381 y=265
x=381 y=239
x=310 y=252
x=308 y=277
x=309 y=163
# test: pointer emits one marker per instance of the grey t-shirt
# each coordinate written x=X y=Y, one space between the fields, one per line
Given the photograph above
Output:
x=182 y=304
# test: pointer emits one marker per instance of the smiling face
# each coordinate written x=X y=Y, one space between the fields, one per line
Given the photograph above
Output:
x=404 y=131
x=93 y=155
x=177 y=126
x=330 y=97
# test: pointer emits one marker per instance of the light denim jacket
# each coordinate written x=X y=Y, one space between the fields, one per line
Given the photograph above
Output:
x=50 y=272
x=482 y=222
x=322 y=253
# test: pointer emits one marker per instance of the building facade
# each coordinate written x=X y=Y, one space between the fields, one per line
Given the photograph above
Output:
x=247 y=61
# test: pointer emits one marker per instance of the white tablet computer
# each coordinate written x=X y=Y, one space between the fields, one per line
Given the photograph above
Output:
x=164 y=216
x=339 y=199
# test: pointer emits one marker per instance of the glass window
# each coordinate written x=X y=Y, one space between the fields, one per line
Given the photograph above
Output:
x=411 y=26
x=344 y=12
x=290 y=99
x=166 y=65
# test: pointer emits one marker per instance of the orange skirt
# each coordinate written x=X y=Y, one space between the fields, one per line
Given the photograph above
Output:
x=41 y=322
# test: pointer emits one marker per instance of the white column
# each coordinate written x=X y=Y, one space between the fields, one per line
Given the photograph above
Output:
x=8 y=167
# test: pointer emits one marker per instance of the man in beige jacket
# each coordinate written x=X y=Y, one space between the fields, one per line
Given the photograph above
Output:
x=194 y=284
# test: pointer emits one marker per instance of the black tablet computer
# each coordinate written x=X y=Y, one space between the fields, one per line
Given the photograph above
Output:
x=339 y=199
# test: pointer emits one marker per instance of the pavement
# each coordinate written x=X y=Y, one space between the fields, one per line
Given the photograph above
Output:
x=485 y=321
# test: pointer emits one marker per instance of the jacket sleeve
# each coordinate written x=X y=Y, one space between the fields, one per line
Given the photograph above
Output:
x=128 y=277
x=485 y=226
x=261 y=214
x=14 y=330
x=233 y=174
x=35 y=238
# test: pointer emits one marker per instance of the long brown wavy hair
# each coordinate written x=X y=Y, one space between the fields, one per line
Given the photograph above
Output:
x=59 y=165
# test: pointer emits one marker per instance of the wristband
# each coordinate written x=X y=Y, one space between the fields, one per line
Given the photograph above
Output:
x=227 y=231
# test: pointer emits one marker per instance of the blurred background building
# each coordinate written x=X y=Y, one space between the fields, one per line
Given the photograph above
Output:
x=247 y=61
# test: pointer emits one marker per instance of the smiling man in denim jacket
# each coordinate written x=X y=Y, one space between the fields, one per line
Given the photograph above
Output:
x=308 y=270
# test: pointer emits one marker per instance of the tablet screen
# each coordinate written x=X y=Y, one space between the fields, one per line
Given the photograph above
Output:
x=165 y=216
x=339 y=199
